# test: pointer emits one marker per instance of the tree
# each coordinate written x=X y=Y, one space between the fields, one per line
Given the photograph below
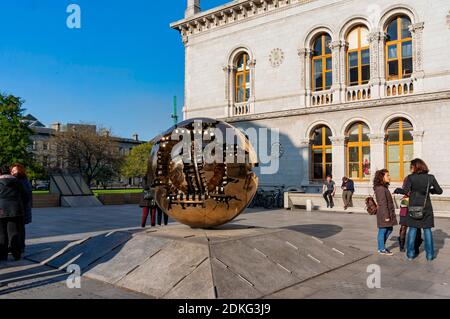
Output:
x=135 y=164
x=14 y=134
x=95 y=156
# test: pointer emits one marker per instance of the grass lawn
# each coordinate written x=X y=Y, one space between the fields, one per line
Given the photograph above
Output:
x=116 y=191
x=40 y=192
x=102 y=191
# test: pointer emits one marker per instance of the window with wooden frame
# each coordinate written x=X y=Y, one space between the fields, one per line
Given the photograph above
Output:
x=358 y=152
x=322 y=66
x=358 y=56
x=399 y=57
x=321 y=153
x=399 y=148
x=242 y=79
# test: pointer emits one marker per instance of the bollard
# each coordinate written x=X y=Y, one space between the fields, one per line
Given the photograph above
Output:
x=309 y=206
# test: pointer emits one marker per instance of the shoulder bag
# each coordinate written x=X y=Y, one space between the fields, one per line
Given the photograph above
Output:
x=416 y=212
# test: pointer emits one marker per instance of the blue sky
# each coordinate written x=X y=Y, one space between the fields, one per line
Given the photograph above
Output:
x=119 y=71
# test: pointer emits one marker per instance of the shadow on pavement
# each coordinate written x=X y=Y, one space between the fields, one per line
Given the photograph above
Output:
x=316 y=230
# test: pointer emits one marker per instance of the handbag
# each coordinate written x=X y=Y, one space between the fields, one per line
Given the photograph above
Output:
x=404 y=207
x=416 y=212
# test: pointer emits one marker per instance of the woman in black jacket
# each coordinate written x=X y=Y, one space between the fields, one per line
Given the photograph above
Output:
x=420 y=185
x=12 y=211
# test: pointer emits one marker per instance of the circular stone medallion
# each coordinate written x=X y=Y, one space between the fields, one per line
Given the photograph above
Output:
x=276 y=57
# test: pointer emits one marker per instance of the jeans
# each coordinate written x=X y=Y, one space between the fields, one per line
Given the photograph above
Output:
x=428 y=239
x=328 y=196
x=383 y=235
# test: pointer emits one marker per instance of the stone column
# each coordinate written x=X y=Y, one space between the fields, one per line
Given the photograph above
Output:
x=229 y=87
x=252 y=99
x=305 y=76
x=377 y=157
x=337 y=84
x=304 y=152
x=193 y=7
x=343 y=70
x=377 y=65
x=338 y=152
x=418 y=143
x=417 y=40
x=187 y=79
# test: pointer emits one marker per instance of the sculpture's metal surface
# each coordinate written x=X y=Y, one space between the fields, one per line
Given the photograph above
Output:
x=199 y=175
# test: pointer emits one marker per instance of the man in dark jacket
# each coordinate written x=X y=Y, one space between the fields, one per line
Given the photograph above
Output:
x=12 y=198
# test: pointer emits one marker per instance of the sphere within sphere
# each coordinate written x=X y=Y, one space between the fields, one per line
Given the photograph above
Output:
x=199 y=176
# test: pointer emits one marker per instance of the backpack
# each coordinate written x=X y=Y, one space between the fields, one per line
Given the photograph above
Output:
x=371 y=206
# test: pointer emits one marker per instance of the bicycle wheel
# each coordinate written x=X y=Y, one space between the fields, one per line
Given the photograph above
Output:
x=269 y=202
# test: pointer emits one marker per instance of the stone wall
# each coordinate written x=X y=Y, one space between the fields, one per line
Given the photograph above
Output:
x=120 y=199
x=46 y=200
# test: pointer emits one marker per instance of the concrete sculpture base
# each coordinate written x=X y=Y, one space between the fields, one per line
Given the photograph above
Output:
x=179 y=262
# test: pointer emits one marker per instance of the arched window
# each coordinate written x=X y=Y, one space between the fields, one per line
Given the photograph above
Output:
x=358 y=152
x=321 y=152
x=399 y=148
x=358 y=56
x=322 y=73
x=242 y=80
x=399 y=62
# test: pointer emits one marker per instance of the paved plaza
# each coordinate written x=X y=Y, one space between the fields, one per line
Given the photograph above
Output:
x=399 y=277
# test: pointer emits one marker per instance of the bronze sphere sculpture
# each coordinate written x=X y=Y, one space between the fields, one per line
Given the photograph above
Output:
x=200 y=172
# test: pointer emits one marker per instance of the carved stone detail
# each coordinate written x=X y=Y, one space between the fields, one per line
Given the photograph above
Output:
x=338 y=140
x=417 y=35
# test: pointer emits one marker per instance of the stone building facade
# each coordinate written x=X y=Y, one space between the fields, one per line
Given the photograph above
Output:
x=353 y=86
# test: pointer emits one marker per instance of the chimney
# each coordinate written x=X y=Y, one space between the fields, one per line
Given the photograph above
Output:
x=105 y=132
x=136 y=137
x=193 y=7
x=56 y=126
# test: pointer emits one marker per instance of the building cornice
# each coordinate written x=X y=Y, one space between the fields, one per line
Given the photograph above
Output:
x=229 y=13
x=418 y=98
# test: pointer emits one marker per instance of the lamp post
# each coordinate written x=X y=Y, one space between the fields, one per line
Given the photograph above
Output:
x=175 y=114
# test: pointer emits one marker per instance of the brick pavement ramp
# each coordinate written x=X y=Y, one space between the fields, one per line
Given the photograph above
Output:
x=179 y=262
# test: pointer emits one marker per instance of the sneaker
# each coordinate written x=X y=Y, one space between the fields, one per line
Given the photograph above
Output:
x=385 y=252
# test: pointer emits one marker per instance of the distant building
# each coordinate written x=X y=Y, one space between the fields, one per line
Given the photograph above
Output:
x=45 y=153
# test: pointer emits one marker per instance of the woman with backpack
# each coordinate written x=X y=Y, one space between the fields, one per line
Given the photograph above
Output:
x=420 y=185
x=148 y=205
x=386 y=218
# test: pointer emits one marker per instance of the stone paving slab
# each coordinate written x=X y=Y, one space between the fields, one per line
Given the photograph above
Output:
x=229 y=285
x=197 y=285
x=91 y=250
x=252 y=267
x=122 y=260
x=163 y=271
x=28 y=280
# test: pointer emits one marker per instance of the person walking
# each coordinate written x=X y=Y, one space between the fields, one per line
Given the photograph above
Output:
x=386 y=218
x=162 y=215
x=149 y=207
x=12 y=211
x=348 y=189
x=420 y=185
x=329 y=190
x=19 y=171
